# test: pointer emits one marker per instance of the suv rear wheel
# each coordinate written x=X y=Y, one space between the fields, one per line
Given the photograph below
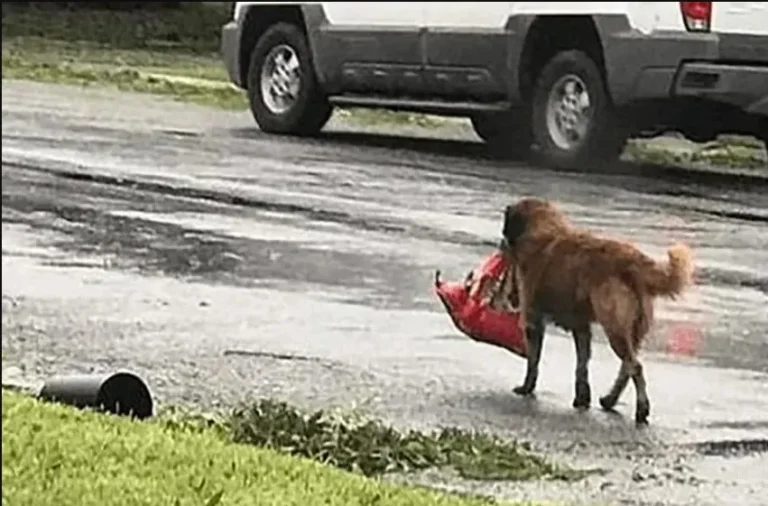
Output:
x=283 y=91
x=763 y=134
x=575 y=125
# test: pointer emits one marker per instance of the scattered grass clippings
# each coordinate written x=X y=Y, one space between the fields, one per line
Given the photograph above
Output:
x=373 y=448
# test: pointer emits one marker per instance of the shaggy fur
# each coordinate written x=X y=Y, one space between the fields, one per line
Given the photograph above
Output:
x=573 y=278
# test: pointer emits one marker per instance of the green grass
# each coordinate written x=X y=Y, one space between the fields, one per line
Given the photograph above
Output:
x=734 y=152
x=59 y=456
x=36 y=50
x=145 y=79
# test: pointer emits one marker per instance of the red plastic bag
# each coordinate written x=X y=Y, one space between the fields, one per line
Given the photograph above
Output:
x=471 y=311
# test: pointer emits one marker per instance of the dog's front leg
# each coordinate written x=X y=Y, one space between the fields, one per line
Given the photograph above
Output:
x=523 y=298
x=534 y=336
x=583 y=340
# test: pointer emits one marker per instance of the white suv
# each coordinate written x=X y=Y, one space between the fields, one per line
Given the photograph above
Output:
x=573 y=79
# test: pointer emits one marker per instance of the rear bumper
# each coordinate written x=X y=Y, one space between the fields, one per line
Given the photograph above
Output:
x=730 y=69
x=230 y=50
x=744 y=86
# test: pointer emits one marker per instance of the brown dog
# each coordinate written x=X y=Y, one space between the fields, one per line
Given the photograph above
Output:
x=573 y=278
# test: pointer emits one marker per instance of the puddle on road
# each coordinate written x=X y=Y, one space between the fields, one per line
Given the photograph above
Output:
x=220 y=248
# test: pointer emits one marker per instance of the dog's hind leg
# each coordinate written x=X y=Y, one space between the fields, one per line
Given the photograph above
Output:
x=631 y=367
x=625 y=315
x=609 y=400
x=643 y=405
x=534 y=336
x=583 y=340
x=640 y=327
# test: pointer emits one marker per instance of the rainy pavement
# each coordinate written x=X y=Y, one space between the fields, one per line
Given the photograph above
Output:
x=220 y=263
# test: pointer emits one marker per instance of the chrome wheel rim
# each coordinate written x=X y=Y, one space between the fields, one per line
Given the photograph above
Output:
x=281 y=79
x=569 y=112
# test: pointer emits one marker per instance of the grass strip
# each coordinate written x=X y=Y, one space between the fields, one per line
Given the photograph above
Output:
x=59 y=456
x=191 y=79
x=727 y=151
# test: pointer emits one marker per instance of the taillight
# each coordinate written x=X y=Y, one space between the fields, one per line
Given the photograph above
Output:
x=697 y=16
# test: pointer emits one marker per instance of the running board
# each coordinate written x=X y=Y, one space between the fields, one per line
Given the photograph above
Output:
x=422 y=106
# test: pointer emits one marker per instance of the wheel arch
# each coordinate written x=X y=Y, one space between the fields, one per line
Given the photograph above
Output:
x=548 y=35
x=257 y=20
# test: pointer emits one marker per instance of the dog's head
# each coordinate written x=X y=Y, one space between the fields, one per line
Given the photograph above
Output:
x=529 y=215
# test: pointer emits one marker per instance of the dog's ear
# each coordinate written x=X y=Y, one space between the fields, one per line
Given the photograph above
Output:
x=514 y=224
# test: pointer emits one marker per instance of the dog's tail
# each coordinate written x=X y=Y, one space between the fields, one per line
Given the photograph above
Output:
x=671 y=278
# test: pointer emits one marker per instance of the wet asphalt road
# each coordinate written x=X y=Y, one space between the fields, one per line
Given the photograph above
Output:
x=221 y=263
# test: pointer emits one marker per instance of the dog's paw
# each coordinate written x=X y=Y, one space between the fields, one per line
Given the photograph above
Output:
x=641 y=413
x=608 y=402
x=523 y=390
x=582 y=402
x=583 y=397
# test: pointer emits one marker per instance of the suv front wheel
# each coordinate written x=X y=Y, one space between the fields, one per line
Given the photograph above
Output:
x=575 y=125
x=283 y=91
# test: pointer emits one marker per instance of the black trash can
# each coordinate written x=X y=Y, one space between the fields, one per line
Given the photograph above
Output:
x=119 y=393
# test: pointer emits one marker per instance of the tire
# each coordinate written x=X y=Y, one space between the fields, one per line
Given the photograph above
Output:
x=763 y=136
x=603 y=136
x=310 y=110
x=505 y=133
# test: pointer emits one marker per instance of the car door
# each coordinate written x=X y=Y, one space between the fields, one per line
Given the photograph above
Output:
x=373 y=47
x=467 y=48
